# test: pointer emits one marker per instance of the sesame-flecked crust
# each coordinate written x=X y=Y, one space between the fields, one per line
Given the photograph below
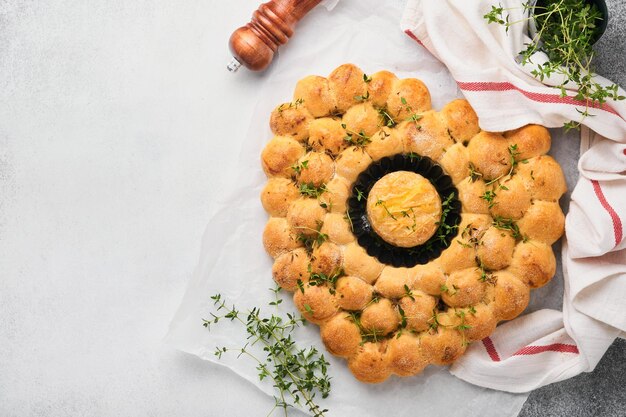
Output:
x=395 y=321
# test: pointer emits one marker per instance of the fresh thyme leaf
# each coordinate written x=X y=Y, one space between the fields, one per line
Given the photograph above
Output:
x=292 y=105
x=408 y=292
x=488 y=196
x=503 y=223
x=320 y=279
x=513 y=154
x=474 y=174
x=298 y=374
x=367 y=78
x=359 y=194
x=310 y=190
x=433 y=322
x=386 y=119
x=566 y=31
x=310 y=241
x=299 y=167
x=381 y=203
x=402 y=317
x=359 y=139
x=363 y=97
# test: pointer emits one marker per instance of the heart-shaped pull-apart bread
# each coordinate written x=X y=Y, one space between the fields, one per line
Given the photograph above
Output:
x=405 y=233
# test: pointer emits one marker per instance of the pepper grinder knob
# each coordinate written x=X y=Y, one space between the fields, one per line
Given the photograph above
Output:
x=272 y=24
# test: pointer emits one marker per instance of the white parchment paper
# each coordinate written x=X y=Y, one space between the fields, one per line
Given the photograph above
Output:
x=234 y=263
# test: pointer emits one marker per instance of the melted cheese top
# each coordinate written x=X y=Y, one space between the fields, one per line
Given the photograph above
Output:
x=403 y=208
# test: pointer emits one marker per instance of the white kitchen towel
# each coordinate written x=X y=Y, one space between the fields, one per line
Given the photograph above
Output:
x=482 y=59
x=545 y=346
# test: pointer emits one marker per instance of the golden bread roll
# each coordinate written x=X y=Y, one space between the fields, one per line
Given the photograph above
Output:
x=442 y=346
x=385 y=142
x=327 y=135
x=418 y=308
x=362 y=118
x=380 y=317
x=405 y=355
x=315 y=302
x=455 y=161
x=291 y=119
x=353 y=293
x=511 y=296
x=277 y=195
x=351 y=162
x=341 y=336
x=346 y=85
x=543 y=177
x=278 y=238
x=427 y=136
x=393 y=282
x=543 y=221
x=379 y=86
x=337 y=228
x=463 y=288
x=530 y=141
x=495 y=250
x=534 y=263
x=407 y=98
x=305 y=217
x=358 y=263
x=291 y=267
x=314 y=92
x=315 y=169
x=280 y=155
x=370 y=364
x=489 y=153
x=461 y=120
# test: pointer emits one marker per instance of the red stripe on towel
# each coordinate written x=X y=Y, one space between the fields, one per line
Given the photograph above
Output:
x=412 y=36
x=539 y=97
x=617 y=222
x=556 y=347
x=491 y=349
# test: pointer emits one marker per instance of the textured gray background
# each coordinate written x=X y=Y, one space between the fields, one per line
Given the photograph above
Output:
x=601 y=393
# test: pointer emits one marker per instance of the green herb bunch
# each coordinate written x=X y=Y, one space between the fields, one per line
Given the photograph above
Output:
x=298 y=374
x=566 y=31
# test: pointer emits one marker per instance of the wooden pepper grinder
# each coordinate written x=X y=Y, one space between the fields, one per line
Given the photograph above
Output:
x=272 y=24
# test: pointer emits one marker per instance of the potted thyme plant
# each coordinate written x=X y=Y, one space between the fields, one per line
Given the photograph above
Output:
x=565 y=30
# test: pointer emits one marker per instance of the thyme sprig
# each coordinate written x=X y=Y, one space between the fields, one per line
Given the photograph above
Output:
x=298 y=374
x=385 y=118
x=413 y=117
x=474 y=173
x=566 y=30
x=513 y=154
x=298 y=167
x=320 y=279
x=381 y=203
x=310 y=241
x=510 y=225
x=367 y=335
x=359 y=194
x=292 y=105
x=444 y=230
x=362 y=97
x=310 y=190
x=488 y=196
x=358 y=139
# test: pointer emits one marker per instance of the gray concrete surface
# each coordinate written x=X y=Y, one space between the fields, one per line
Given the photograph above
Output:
x=601 y=393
